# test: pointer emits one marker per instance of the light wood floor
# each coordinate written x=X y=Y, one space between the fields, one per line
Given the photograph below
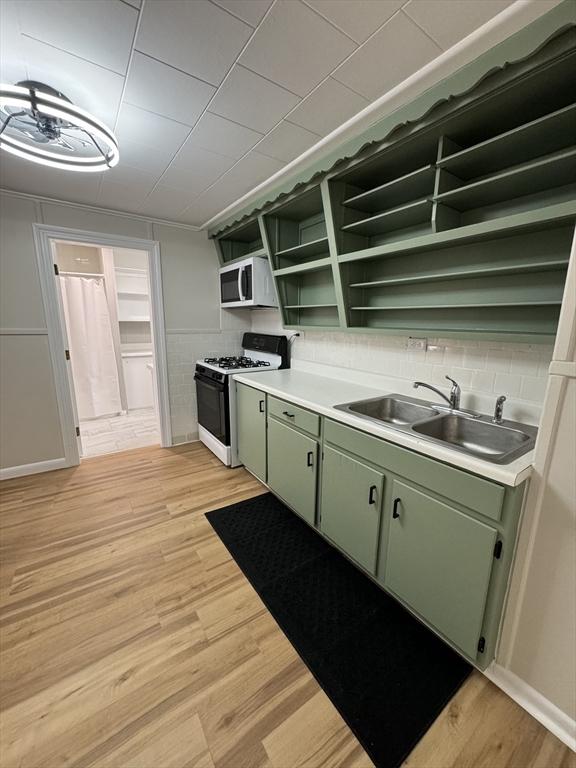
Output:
x=130 y=639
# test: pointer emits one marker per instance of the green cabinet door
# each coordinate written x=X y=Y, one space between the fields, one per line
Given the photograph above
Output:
x=439 y=562
x=351 y=505
x=251 y=429
x=292 y=459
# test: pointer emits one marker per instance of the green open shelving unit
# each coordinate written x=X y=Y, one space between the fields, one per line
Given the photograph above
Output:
x=459 y=224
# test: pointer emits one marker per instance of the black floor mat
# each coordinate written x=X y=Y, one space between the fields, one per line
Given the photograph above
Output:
x=388 y=676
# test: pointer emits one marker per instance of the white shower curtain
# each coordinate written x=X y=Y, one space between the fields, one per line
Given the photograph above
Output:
x=92 y=355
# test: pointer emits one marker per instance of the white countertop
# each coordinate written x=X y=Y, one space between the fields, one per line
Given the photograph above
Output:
x=322 y=393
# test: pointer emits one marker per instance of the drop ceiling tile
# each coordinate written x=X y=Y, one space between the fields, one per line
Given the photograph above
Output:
x=138 y=155
x=448 y=22
x=295 y=47
x=223 y=136
x=396 y=51
x=358 y=19
x=286 y=141
x=251 y=100
x=193 y=169
x=121 y=197
x=165 y=90
x=100 y=31
x=25 y=176
x=125 y=188
x=330 y=105
x=246 y=174
x=197 y=37
x=250 y=11
x=12 y=66
x=150 y=130
x=165 y=203
x=203 y=208
x=91 y=87
x=140 y=181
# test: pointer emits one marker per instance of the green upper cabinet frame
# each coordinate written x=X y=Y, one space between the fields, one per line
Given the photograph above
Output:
x=458 y=223
x=240 y=242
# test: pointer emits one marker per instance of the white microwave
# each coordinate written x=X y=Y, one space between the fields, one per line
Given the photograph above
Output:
x=247 y=283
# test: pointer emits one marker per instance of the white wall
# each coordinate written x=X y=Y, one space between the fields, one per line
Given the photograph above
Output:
x=194 y=326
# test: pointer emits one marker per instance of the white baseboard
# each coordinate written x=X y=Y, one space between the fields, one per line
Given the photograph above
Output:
x=33 y=469
x=541 y=708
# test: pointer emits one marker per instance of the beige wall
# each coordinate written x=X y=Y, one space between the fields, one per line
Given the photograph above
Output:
x=28 y=407
x=78 y=258
x=190 y=286
x=538 y=642
x=130 y=258
x=29 y=424
x=29 y=421
x=544 y=649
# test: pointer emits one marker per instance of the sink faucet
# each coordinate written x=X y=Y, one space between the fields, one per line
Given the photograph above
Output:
x=499 y=409
x=455 y=391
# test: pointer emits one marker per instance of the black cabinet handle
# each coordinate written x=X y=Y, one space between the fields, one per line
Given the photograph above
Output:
x=372 y=494
x=261 y=406
x=395 y=512
x=290 y=415
x=310 y=459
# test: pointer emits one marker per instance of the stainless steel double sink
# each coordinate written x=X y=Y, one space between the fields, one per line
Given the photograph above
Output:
x=474 y=434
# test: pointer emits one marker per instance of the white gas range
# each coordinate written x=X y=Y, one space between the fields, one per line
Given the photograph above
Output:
x=216 y=397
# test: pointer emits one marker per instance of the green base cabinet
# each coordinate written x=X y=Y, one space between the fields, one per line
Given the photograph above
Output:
x=437 y=538
x=351 y=504
x=292 y=468
x=251 y=426
x=439 y=561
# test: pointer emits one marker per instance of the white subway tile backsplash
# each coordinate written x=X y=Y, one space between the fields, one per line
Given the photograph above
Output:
x=483 y=381
x=463 y=376
x=498 y=360
x=524 y=363
x=508 y=384
x=533 y=388
x=435 y=354
x=486 y=367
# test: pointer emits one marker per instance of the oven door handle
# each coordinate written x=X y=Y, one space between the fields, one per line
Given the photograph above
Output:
x=220 y=386
x=240 y=283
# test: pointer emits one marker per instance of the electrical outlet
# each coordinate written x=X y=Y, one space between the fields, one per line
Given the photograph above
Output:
x=415 y=343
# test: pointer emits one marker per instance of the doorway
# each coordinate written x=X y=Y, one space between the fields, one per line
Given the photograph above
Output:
x=106 y=301
x=105 y=326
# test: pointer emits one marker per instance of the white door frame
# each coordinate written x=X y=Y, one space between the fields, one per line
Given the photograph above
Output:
x=44 y=237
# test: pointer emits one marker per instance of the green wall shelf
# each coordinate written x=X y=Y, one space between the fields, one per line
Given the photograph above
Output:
x=241 y=242
x=549 y=134
x=305 y=250
x=546 y=173
x=459 y=223
x=408 y=215
x=413 y=185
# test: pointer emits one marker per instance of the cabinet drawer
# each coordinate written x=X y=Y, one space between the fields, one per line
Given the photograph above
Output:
x=473 y=492
x=294 y=415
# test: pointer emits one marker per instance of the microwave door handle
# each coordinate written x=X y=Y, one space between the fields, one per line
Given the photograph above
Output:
x=240 y=281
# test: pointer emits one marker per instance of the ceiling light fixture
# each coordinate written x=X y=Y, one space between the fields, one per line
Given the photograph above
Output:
x=40 y=124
